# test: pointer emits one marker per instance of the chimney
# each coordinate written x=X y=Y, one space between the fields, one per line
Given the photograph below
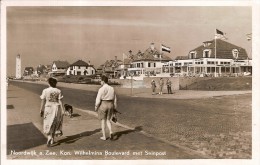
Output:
x=152 y=46
x=115 y=58
x=130 y=52
x=88 y=62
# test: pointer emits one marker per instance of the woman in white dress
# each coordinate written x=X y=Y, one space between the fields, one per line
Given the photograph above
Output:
x=52 y=111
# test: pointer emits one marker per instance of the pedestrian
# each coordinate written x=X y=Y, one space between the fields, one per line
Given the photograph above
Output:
x=106 y=103
x=153 y=86
x=52 y=111
x=161 y=83
x=169 y=86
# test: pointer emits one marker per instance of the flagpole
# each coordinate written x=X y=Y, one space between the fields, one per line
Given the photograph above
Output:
x=161 y=58
x=123 y=64
x=215 y=55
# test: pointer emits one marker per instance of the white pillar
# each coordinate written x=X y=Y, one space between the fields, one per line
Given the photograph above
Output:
x=18 y=73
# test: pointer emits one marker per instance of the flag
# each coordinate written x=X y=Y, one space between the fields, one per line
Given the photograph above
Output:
x=249 y=36
x=220 y=34
x=165 y=48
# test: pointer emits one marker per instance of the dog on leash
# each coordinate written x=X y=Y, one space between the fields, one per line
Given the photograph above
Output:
x=68 y=110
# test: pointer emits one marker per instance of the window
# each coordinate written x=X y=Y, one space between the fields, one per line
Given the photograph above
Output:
x=192 y=55
x=235 y=53
x=210 y=62
x=149 y=64
x=154 y=64
x=206 y=53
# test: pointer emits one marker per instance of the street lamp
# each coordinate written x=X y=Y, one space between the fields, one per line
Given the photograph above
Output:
x=131 y=74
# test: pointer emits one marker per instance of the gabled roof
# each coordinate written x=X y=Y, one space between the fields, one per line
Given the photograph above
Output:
x=150 y=55
x=80 y=63
x=224 y=50
x=61 y=64
x=110 y=65
x=127 y=61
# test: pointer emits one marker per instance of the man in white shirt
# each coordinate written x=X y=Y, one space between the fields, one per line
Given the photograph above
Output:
x=105 y=104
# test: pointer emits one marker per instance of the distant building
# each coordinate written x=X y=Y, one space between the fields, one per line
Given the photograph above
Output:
x=123 y=68
x=226 y=60
x=59 y=68
x=18 y=71
x=110 y=68
x=147 y=63
x=80 y=68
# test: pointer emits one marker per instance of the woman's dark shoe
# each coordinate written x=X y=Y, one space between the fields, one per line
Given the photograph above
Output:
x=111 y=136
x=50 y=142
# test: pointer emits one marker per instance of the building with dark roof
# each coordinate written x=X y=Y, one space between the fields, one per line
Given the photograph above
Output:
x=213 y=58
x=110 y=68
x=225 y=50
x=148 y=63
x=59 y=66
x=80 y=67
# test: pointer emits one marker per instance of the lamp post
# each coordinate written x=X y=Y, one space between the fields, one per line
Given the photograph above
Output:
x=131 y=74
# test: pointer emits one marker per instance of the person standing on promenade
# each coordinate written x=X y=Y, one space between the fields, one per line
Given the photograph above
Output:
x=161 y=83
x=52 y=111
x=106 y=103
x=169 y=86
x=153 y=86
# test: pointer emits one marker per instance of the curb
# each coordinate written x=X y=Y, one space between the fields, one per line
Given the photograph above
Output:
x=186 y=149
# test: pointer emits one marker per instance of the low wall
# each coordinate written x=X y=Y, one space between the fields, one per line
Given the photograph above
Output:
x=178 y=83
x=146 y=83
x=186 y=81
x=126 y=83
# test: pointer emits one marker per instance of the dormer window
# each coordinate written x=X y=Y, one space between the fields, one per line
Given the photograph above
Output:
x=206 y=53
x=156 y=56
x=207 y=43
x=235 y=53
x=193 y=54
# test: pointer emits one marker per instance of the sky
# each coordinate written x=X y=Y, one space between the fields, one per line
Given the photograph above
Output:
x=42 y=35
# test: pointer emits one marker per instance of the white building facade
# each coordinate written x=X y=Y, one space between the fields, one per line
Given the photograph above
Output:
x=226 y=60
x=148 y=63
x=80 y=68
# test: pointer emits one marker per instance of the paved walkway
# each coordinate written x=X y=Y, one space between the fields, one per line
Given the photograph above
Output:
x=25 y=139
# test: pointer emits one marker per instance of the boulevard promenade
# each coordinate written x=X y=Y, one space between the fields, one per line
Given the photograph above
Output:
x=25 y=139
x=81 y=133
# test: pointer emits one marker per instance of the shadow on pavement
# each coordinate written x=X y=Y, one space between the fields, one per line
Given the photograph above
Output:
x=23 y=136
x=117 y=135
x=75 y=115
x=12 y=97
x=10 y=106
x=74 y=138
